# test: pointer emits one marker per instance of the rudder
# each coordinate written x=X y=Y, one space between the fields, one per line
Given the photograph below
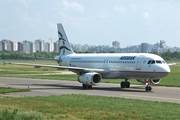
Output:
x=64 y=45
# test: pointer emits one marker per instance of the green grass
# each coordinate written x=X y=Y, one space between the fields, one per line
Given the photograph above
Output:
x=4 y=90
x=79 y=107
x=25 y=72
x=6 y=114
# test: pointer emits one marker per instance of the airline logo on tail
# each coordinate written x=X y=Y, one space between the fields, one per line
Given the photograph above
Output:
x=64 y=45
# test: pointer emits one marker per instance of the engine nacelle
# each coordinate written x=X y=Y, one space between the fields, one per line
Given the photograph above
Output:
x=151 y=81
x=90 y=78
x=155 y=81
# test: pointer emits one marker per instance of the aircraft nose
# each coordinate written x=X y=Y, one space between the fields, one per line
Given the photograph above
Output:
x=166 y=70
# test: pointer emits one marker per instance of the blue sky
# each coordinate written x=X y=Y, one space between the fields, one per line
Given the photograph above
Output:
x=93 y=22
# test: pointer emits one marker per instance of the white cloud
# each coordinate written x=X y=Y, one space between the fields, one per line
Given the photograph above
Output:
x=76 y=23
x=146 y=15
x=70 y=6
x=24 y=3
x=119 y=9
x=103 y=16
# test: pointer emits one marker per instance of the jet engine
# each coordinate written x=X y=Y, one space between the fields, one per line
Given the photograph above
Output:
x=90 y=78
x=155 y=81
x=151 y=81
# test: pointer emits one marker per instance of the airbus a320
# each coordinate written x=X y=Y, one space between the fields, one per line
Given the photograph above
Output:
x=145 y=67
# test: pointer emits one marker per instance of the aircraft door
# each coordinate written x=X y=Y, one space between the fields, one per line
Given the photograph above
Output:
x=105 y=62
x=138 y=63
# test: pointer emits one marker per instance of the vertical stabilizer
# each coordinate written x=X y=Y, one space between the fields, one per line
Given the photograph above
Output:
x=64 y=45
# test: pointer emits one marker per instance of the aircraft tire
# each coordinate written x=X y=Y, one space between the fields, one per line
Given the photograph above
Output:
x=123 y=84
x=84 y=86
x=89 y=86
x=127 y=85
x=148 y=88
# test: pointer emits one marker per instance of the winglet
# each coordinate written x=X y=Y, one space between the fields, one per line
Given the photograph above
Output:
x=4 y=63
x=172 y=63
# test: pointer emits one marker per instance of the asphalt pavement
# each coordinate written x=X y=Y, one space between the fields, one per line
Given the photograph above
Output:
x=43 y=87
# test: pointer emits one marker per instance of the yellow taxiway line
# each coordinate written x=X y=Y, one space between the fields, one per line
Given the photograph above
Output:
x=149 y=97
x=20 y=86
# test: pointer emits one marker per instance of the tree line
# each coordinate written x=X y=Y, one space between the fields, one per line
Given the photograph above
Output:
x=5 y=54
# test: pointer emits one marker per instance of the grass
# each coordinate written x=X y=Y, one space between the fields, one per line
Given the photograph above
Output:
x=6 y=114
x=30 y=72
x=4 y=90
x=79 y=107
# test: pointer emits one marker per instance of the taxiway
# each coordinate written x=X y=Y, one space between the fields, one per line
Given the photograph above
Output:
x=42 y=87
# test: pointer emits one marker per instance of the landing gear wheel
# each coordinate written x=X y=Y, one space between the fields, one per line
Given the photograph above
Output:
x=127 y=84
x=148 y=88
x=86 y=86
x=89 y=86
x=122 y=84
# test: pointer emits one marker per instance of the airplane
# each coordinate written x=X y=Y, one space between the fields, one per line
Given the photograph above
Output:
x=92 y=68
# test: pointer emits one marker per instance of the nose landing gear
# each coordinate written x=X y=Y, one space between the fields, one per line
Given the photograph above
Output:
x=148 y=88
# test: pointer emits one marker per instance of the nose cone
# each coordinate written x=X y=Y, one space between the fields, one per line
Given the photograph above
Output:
x=165 y=70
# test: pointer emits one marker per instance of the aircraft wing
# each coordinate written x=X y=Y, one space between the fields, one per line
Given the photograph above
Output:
x=172 y=64
x=73 y=69
x=46 y=58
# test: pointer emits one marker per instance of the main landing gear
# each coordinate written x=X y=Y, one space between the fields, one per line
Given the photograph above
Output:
x=86 y=86
x=125 y=84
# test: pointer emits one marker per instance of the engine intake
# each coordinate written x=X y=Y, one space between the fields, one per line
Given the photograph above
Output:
x=155 y=81
x=151 y=81
x=90 y=78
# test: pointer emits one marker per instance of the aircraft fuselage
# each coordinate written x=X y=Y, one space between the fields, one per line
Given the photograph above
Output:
x=122 y=65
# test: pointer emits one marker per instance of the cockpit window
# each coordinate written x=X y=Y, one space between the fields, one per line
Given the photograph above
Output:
x=158 y=61
x=164 y=62
x=149 y=62
x=153 y=62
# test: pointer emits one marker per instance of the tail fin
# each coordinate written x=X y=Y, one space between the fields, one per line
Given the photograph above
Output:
x=64 y=45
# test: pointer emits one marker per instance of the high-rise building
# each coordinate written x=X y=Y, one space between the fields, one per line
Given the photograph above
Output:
x=162 y=43
x=56 y=47
x=28 y=46
x=47 y=47
x=7 y=45
x=116 y=44
x=39 y=45
x=20 y=46
x=144 y=47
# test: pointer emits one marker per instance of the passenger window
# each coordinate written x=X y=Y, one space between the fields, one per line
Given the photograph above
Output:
x=153 y=62
x=149 y=62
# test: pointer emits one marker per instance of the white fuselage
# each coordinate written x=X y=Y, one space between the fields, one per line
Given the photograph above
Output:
x=124 y=66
